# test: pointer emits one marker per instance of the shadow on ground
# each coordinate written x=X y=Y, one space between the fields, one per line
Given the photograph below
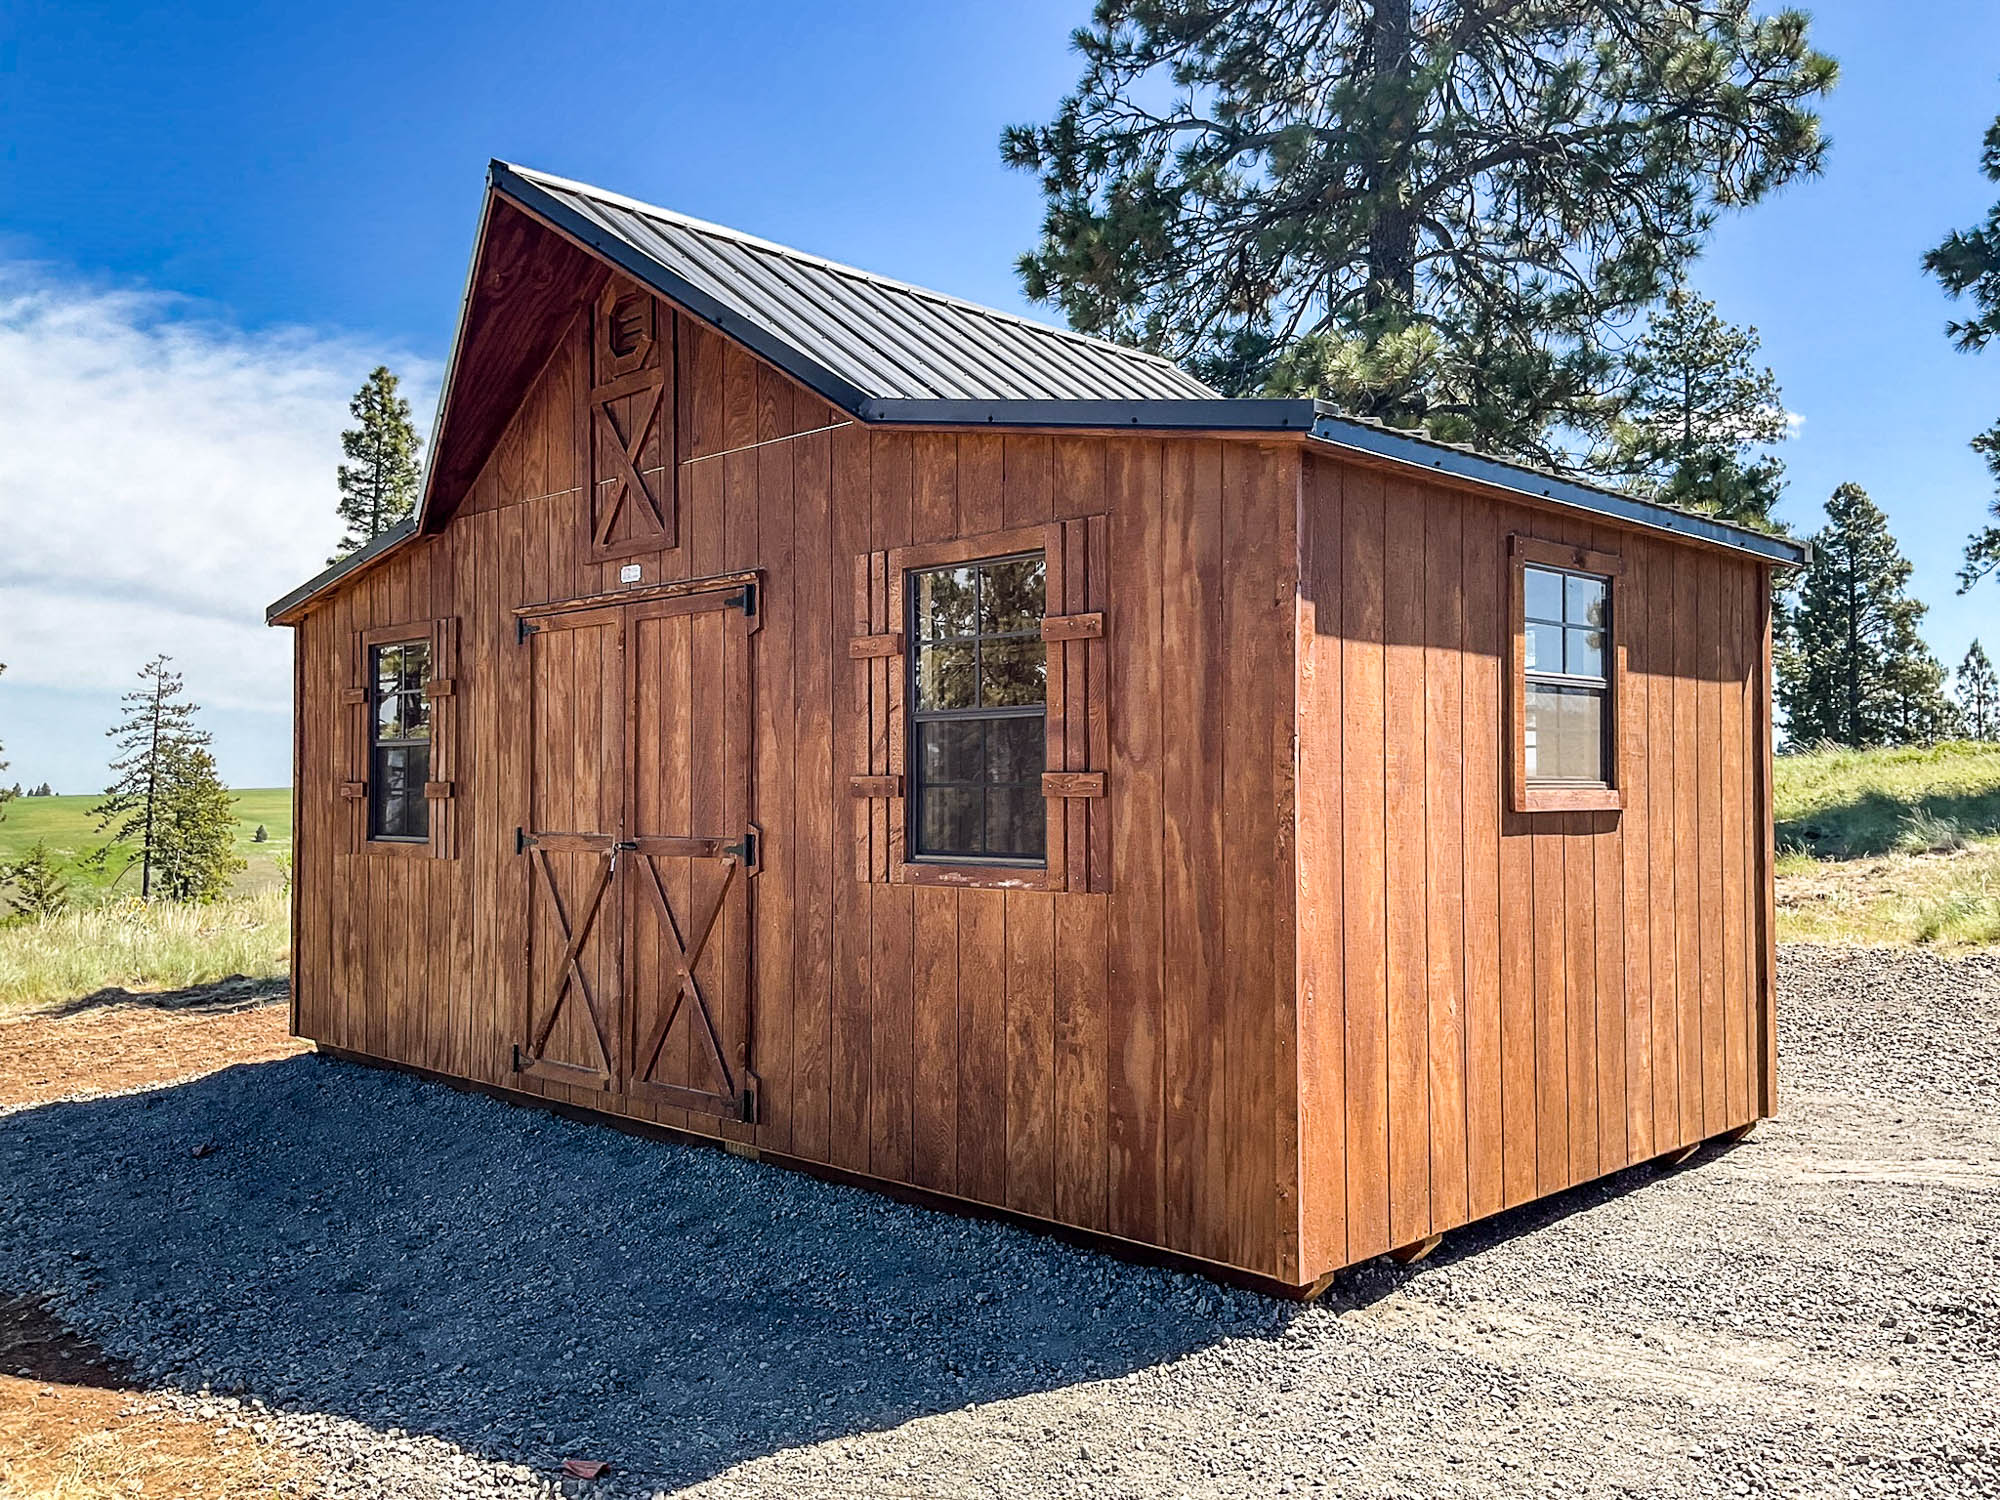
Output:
x=1875 y=823
x=364 y=1244
x=237 y=992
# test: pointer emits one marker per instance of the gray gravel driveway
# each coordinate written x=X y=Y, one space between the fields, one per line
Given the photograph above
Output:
x=439 y=1295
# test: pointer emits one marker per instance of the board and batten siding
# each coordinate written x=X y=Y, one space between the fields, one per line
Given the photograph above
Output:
x=1494 y=1006
x=1123 y=1060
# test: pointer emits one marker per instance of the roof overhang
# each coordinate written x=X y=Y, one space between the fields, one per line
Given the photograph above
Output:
x=1371 y=440
x=287 y=610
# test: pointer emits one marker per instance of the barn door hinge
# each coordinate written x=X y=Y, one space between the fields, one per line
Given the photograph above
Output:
x=744 y=599
x=746 y=1105
x=744 y=850
x=523 y=629
x=523 y=841
x=517 y=1057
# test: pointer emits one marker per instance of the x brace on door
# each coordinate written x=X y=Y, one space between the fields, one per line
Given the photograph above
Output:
x=685 y=957
x=569 y=969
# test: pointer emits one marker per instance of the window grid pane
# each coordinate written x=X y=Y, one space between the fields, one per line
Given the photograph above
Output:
x=1567 y=628
x=979 y=688
x=401 y=756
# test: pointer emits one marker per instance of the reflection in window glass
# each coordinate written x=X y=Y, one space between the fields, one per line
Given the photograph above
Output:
x=979 y=693
x=1566 y=647
x=400 y=759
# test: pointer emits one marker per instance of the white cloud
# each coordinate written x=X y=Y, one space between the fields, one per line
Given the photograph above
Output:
x=163 y=476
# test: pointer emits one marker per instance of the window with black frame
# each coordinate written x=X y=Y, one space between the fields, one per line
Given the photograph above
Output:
x=400 y=722
x=978 y=698
x=1567 y=700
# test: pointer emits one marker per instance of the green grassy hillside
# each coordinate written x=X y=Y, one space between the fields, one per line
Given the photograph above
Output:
x=1890 y=845
x=72 y=834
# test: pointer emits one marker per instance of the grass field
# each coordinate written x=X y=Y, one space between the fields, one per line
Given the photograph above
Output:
x=1890 y=846
x=136 y=945
x=72 y=835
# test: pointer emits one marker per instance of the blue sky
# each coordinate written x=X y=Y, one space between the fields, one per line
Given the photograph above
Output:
x=194 y=199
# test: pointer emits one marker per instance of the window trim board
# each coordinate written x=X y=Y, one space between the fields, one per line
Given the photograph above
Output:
x=358 y=699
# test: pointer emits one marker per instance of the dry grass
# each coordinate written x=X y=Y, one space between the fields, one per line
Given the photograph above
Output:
x=77 y=1442
x=1890 y=846
x=1949 y=900
x=138 y=946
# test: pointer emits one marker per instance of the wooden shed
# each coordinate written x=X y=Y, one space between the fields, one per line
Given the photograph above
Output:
x=901 y=739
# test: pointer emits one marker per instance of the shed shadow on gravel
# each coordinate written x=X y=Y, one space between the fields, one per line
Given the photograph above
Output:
x=361 y=1243
x=1368 y=1283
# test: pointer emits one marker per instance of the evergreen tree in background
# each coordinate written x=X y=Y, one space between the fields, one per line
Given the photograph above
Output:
x=1967 y=263
x=1852 y=668
x=158 y=725
x=196 y=853
x=1438 y=213
x=1696 y=411
x=378 y=483
x=39 y=887
x=1978 y=695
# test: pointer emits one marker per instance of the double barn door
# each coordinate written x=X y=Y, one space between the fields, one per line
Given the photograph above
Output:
x=637 y=850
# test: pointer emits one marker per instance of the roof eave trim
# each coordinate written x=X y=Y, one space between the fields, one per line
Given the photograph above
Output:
x=1217 y=414
x=649 y=272
x=1336 y=431
x=376 y=546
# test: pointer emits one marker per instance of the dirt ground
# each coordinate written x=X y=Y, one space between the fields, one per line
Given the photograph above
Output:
x=76 y=1428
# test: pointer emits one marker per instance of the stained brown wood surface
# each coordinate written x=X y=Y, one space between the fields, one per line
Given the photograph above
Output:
x=1306 y=990
x=1534 y=999
x=1012 y=1047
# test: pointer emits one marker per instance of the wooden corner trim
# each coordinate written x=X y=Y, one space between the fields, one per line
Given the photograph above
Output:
x=437 y=791
x=440 y=687
x=353 y=790
x=353 y=697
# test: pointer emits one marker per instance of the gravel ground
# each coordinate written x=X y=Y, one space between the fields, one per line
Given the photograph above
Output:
x=437 y=1295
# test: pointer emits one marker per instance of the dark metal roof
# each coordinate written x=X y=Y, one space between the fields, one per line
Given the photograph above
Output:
x=367 y=553
x=850 y=335
x=1330 y=426
x=890 y=354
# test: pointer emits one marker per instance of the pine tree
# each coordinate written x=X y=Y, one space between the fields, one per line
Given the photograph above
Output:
x=1437 y=212
x=1967 y=262
x=158 y=723
x=1853 y=669
x=197 y=841
x=39 y=887
x=378 y=483
x=1695 y=411
x=1979 y=695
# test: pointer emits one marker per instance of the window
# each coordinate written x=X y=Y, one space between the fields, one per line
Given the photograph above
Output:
x=978 y=701
x=1566 y=631
x=400 y=729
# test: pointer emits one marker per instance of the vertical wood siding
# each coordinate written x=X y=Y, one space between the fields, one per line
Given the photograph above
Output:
x=1492 y=1005
x=1123 y=1058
